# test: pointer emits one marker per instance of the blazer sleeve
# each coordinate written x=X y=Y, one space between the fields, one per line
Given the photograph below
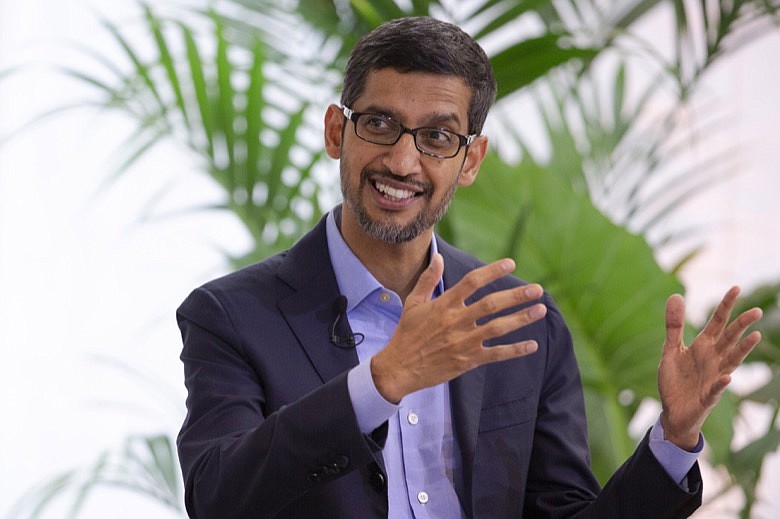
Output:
x=560 y=482
x=237 y=459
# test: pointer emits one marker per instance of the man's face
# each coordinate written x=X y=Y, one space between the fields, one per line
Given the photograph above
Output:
x=395 y=193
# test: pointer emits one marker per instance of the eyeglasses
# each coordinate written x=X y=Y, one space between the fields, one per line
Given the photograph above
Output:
x=380 y=129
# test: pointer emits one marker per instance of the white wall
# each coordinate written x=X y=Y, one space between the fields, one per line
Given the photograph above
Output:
x=83 y=275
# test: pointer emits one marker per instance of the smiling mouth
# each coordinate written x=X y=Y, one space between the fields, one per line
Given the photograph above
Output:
x=394 y=194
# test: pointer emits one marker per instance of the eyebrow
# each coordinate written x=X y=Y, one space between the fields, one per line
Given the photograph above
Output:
x=430 y=120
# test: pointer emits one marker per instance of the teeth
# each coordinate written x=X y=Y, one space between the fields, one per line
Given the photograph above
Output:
x=391 y=192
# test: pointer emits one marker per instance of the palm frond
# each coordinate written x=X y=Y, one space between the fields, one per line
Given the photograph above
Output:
x=216 y=104
x=145 y=465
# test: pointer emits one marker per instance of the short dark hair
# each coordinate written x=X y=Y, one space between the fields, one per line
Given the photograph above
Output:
x=423 y=44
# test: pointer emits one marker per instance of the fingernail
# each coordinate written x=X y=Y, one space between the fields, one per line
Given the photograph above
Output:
x=533 y=291
x=538 y=311
x=508 y=265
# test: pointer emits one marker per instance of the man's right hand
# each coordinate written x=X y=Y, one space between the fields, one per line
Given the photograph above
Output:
x=438 y=340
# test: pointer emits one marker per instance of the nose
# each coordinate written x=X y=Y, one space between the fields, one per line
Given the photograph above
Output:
x=403 y=157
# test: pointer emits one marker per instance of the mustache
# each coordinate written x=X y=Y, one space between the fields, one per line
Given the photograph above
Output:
x=369 y=174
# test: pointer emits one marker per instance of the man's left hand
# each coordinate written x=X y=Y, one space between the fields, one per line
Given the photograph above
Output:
x=692 y=379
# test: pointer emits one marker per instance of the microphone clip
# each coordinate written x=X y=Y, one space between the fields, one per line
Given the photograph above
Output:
x=343 y=338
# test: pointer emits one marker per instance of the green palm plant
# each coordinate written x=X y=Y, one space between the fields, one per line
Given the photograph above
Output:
x=549 y=213
x=145 y=465
x=241 y=124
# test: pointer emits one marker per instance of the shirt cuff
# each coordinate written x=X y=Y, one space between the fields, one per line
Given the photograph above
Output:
x=371 y=409
x=676 y=462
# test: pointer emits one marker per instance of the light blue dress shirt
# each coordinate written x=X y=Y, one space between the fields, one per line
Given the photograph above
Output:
x=421 y=452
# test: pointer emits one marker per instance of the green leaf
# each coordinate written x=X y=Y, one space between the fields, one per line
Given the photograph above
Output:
x=746 y=463
x=769 y=393
x=375 y=12
x=523 y=63
x=34 y=502
x=607 y=426
x=224 y=108
x=141 y=70
x=200 y=88
x=718 y=430
x=166 y=60
x=253 y=116
x=163 y=464
x=506 y=14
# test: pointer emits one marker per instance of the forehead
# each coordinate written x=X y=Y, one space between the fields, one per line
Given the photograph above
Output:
x=415 y=96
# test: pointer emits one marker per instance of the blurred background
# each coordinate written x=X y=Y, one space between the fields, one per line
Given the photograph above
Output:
x=145 y=151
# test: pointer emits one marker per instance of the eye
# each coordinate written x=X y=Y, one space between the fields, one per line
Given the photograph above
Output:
x=437 y=138
x=377 y=124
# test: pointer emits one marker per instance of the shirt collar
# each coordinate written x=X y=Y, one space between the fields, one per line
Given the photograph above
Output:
x=354 y=280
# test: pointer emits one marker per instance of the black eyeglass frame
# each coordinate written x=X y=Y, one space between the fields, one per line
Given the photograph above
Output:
x=463 y=140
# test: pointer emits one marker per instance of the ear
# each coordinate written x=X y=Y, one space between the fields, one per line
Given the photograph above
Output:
x=473 y=160
x=334 y=124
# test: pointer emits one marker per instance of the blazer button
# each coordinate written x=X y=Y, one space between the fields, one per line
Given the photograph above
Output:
x=315 y=476
x=339 y=464
x=377 y=481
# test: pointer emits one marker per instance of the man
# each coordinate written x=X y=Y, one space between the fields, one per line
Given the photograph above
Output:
x=373 y=370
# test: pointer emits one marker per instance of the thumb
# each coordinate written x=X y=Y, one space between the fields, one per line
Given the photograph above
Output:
x=675 y=321
x=426 y=284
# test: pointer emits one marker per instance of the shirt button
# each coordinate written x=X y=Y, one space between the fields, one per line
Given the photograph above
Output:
x=422 y=497
x=412 y=418
x=384 y=297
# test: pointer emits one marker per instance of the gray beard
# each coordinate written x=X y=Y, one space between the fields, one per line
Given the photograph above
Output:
x=390 y=232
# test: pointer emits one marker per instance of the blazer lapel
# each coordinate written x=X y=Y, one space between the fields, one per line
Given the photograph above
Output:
x=309 y=310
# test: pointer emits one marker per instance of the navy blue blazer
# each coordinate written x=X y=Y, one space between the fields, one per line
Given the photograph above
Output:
x=270 y=430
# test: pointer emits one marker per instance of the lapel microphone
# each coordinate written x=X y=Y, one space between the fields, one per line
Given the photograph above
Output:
x=341 y=333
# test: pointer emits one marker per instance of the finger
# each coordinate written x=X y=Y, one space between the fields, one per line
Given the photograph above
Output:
x=507 y=351
x=737 y=355
x=675 y=322
x=738 y=327
x=716 y=390
x=503 y=325
x=480 y=277
x=427 y=282
x=502 y=300
x=720 y=317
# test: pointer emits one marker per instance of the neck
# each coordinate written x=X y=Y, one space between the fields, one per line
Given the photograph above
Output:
x=396 y=266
